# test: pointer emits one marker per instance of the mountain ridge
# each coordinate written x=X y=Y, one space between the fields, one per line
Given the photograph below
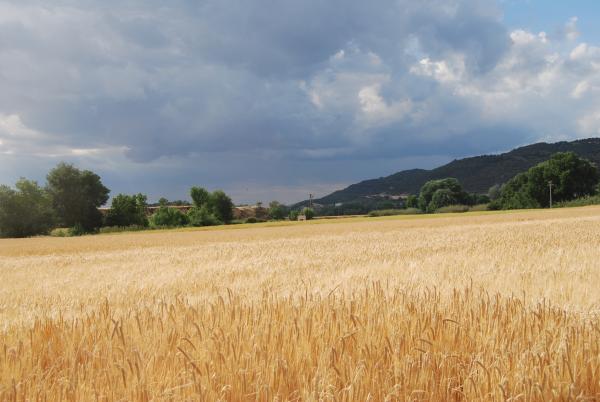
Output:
x=477 y=174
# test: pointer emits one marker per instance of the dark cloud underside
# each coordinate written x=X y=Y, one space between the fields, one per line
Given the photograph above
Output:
x=278 y=96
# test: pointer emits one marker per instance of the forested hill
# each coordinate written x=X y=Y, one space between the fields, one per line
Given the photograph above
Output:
x=476 y=174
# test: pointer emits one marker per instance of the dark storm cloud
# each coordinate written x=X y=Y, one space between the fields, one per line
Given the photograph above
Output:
x=276 y=84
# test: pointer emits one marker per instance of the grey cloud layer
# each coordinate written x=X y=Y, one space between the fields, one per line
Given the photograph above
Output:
x=283 y=82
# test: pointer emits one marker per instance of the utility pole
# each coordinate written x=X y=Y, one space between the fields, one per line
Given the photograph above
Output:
x=550 y=186
x=310 y=197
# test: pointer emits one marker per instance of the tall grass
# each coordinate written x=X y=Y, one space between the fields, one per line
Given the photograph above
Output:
x=580 y=202
x=120 y=229
x=453 y=209
x=488 y=307
x=374 y=343
x=394 y=212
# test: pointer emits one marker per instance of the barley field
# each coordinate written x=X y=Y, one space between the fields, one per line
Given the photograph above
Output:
x=498 y=306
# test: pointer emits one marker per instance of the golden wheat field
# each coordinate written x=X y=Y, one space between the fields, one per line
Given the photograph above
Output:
x=461 y=307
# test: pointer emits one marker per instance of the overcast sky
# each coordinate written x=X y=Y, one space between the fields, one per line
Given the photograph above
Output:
x=273 y=99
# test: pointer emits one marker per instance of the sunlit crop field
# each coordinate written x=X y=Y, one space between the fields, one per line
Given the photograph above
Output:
x=461 y=307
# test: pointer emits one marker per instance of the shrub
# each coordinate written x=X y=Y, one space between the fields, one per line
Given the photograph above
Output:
x=580 y=202
x=78 y=230
x=309 y=213
x=254 y=219
x=452 y=209
x=480 y=199
x=200 y=196
x=412 y=201
x=60 y=232
x=210 y=208
x=221 y=206
x=127 y=210
x=442 y=197
x=294 y=215
x=202 y=217
x=495 y=205
x=76 y=196
x=168 y=217
x=387 y=204
x=25 y=211
x=440 y=193
x=515 y=195
x=352 y=208
x=119 y=229
x=277 y=210
x=479 y=207
x=572 y=177
x=392 y=212
x=494 y=192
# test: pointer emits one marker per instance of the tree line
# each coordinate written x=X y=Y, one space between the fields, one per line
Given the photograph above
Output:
x=567 y=175
x=71 y=199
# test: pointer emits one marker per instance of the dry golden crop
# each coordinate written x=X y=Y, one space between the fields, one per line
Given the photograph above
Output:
x=461 y=307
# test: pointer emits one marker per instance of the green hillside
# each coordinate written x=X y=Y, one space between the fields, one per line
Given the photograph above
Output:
x=476 y=174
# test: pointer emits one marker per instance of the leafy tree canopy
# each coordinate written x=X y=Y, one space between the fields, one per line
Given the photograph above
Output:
x=309 y=213
x=210 y=208
x=571 y=176
x=494 y=192
x=412 y=201
x=200 y=196
x=76 y=195
x=453 y=193
x=202 y=217
x=26 y=211
x=277 y=210
x=128 y=210
x=442 y=197
x=221 y=206
x=168 y=217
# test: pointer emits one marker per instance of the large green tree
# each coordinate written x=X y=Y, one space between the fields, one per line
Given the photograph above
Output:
x=571 y=177
x=277 y=210
x=515 y=195
x=221 y=206
x=200 y=196
x=26 y=211
x=449 y=192
x=412 y=201
x=76 y=195
x=128 y=210
x=168 y=217
x=210 y=208
x=202 y=217
x=442 y=197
